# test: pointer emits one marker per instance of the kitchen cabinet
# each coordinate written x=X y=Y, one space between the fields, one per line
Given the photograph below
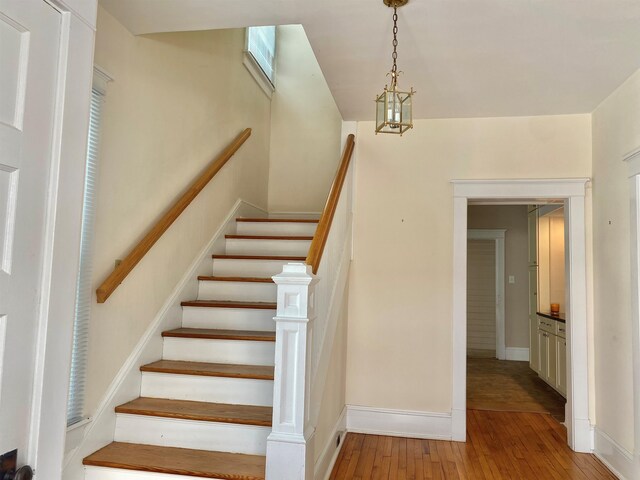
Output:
x=552 y=353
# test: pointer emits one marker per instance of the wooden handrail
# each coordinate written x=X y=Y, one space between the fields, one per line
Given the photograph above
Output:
x=116 y=277
x=324 y=225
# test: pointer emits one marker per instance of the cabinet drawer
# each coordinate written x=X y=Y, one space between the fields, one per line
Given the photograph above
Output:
x=561 y=329
x=547 y=325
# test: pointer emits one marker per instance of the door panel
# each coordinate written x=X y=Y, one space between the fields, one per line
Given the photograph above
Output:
x=29 y=53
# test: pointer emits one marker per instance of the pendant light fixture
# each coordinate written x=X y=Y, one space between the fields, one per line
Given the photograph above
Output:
x=393 y=107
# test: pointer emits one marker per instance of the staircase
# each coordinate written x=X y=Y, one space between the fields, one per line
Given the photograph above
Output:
x=205 y=408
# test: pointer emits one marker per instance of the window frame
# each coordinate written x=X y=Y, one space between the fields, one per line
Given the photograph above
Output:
x=98 y=90
x=267 y=85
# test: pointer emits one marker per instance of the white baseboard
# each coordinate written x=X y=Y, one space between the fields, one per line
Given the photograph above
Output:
x=518 y=354
x=399 y=423
x=615 y=457
x=327 y=459
x=126 y=384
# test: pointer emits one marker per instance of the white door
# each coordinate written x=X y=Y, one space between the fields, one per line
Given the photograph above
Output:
x=29 y=53
x=481 y=298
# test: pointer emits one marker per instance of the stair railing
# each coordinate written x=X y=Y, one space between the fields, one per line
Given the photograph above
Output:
x=125 y=267
x=309 y=303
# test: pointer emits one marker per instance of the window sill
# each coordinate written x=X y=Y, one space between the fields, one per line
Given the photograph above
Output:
x=258 y=75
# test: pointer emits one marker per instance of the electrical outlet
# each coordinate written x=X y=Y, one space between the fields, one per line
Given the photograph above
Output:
x=512 y=279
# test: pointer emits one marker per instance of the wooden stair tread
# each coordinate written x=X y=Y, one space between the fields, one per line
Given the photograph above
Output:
x=178 y=367
x=260 y=257
x=216 y=334
x=230 y=304
x=269 y=237
x=179 y=461
x=208 y=278
x=277 y=220
x=199 y=411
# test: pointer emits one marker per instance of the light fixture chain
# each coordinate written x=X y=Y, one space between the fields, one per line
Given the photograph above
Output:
x=394 y=68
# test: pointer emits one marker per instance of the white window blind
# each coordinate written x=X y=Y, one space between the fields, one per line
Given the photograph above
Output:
x=261 y=44
x=75 y=405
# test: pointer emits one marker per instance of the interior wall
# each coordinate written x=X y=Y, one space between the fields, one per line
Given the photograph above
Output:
x=514 y=219
x=616 y=131
x=176 y=101
x=400 y=308
x=556 y=263
x=305 y=128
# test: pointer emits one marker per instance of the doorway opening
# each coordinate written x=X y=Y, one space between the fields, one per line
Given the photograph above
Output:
x=571 y=192
x=507 y=244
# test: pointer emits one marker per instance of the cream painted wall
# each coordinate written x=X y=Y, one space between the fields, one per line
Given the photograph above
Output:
x=305 y=128
x=514 y=219
x=334 y=395
x=616 y=131
x=176 y=101
x=400 y=314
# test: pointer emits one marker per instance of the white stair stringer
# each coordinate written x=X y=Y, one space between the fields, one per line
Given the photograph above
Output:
x=237 y=291
x=250 y=246
x=238 y=391
x=238 y=352
x=229 y=318
x=276 y=228
x=239 y=267
x=194 y=434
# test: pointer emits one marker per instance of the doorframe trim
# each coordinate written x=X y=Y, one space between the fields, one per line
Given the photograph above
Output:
x=572 y=191
x=498 y=236
x=632 y=159
x=60 y=256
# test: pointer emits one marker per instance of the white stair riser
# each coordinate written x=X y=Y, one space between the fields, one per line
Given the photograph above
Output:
x=231 y=267
x=238 y=246
x=276 y=228
x=104 y=473
x=239 y=391
x=174 y=432
x=237 y=291
x=239 y=352
x=229 y=318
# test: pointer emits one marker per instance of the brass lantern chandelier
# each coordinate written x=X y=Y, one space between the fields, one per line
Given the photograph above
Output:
x=393 y=106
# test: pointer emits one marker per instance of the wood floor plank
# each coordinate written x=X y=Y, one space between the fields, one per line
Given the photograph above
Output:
x=179 y=461
x=500 y=445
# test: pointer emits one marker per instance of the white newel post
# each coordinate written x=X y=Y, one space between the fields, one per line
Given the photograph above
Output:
x=290 y=444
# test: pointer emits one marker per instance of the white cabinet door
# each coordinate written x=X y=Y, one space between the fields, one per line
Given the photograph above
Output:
x=543 y=353
x=29 y=52
x=561 y=353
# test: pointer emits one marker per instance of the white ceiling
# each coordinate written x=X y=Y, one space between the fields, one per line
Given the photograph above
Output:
x=466 y=58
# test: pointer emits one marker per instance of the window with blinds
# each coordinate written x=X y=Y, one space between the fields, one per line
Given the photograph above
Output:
x=261 y=44
x=75 y=406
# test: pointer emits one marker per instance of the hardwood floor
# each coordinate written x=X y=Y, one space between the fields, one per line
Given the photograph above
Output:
x=500 y=445
x=510 y=386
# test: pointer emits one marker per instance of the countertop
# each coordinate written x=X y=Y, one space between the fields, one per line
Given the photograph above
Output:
x=556 y=316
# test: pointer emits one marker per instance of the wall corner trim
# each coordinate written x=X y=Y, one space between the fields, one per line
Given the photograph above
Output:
x=399 y=423
x=617 y=459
